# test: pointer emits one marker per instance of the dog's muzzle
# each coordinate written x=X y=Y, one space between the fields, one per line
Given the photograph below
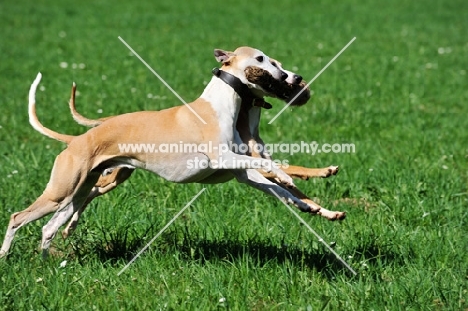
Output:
x=283 y=90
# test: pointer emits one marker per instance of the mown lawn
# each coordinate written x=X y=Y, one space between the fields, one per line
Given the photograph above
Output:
x=399 y=93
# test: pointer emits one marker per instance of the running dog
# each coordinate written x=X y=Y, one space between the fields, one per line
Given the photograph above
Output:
x=292 y=90
x=211 y=118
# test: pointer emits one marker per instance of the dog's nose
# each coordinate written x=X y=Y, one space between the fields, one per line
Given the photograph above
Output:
x=297 y=79
x=284 y=76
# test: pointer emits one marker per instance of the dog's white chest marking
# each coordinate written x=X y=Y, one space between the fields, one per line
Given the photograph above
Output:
x=226 y=103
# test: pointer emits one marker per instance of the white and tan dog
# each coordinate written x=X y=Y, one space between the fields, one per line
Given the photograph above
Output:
x=247 y=127
x=96 y=152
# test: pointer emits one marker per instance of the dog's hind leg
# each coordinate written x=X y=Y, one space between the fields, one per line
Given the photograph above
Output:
x=68 y=175
x=67 y=209
x=42 y=206
x=106 y=183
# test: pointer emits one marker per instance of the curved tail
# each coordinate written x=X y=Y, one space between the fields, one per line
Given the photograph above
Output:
x=80 y=119
x=34 y=121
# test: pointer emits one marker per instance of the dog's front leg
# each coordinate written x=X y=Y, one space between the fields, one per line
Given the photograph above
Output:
x=255 y=179
x=256 y=143
x=233 y=161
x=306 y=173
x=330 y=215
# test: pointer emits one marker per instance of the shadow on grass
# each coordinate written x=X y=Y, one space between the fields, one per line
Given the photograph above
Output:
x=262 y=253
x=112 y=246
x=125 y=243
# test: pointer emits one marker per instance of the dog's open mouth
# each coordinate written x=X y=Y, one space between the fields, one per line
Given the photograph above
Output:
x=279 y=89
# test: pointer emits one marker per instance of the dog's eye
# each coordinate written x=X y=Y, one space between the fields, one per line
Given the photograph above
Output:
x=274 y=64
x=259 y=58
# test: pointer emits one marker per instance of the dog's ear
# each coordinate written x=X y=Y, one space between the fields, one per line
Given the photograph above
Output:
x=223 y=56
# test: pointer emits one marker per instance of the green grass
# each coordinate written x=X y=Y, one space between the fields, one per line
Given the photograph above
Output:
x=399 y=93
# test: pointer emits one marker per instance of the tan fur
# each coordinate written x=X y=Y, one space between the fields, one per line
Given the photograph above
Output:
x=287 y=91
x=77 y=170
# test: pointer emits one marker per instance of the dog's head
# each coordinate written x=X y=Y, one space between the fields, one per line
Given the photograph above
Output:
x=292 y=88
x=242 y=58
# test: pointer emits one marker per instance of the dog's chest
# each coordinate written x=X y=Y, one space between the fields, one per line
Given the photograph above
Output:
x=225 y=104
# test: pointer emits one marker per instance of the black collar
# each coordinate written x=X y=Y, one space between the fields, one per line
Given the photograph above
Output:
x=241 y=89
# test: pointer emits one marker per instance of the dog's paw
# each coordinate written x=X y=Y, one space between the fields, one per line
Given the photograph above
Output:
x=285 y=179
x=331 y=215
x=329 y=171
x=314 y=207
x=65 y=233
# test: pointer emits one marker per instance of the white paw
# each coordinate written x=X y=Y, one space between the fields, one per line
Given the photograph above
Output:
x=285 y=179
x=329 y=171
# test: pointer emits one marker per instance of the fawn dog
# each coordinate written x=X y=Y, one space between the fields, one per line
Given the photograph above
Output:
x=95 y=154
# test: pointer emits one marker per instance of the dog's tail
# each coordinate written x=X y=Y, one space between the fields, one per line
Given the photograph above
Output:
x=34 y=121
x=80 y=119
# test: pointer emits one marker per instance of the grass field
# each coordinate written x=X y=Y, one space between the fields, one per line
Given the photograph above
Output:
x=399 y=93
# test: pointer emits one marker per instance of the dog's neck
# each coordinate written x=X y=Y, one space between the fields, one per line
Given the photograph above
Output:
x=240 y=88
x=229 y=97
x=249 y=99
x=229 y=111
x=226 y=104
